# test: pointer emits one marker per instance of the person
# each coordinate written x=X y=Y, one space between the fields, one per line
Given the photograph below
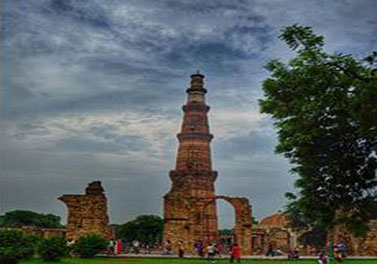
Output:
x=196 y=247
x=181 y=249
x=235 y=254
x=296 y=253
x=219 y=249
x=338 y=255
x=270 y=251
x=293 y=254
x=116 y=247
x=136 y=245
x=211 y=253
x=119 y=246
x=322 y=259
x=200 y=249
x=342 y=248
x=168 y=247
x=110 y=247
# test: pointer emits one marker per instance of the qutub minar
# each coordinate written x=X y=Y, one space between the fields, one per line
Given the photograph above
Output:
x=190 y=206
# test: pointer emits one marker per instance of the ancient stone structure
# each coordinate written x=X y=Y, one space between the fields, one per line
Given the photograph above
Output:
x=243 y=223
x=87 y=213
x=41 y=232
x=356 y=246
x=190 y=206
x=44 y=232
x=277 y=231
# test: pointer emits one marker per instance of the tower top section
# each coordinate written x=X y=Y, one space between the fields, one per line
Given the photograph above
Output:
x=194 y=150
x=197 y=83
x=197 y=74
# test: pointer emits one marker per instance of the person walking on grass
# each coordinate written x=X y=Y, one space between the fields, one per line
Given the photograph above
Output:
x=119 y=246
x=235 y=254
x=211 y=253
x=110 y=247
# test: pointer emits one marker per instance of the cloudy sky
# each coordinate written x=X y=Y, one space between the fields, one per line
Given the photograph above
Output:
x=92 y=90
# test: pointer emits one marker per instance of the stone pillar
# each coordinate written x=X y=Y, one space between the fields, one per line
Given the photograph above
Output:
x=243 y=227
x=87 y=213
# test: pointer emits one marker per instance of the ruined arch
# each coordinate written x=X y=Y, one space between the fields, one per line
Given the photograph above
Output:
x=243 y=221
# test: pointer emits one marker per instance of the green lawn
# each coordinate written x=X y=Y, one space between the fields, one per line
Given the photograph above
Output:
x=181 y=261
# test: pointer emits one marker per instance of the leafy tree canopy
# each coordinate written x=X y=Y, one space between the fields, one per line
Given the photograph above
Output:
x=147 y=229
x=20 y=218
x=226 y=231
x=325 y=111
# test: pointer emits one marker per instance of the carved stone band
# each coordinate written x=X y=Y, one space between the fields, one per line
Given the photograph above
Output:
x=195 y=107
x=206 y=137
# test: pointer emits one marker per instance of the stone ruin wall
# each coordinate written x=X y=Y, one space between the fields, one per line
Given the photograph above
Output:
x=44 y=232
x=41 y=232
x=359 y=246
x=275 y=230
x=87 y=213
x=189 y=224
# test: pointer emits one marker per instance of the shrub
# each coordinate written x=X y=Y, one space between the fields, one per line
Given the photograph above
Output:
x=30 y=245
x=52 y=249
x=14 y=246
x=90 y=245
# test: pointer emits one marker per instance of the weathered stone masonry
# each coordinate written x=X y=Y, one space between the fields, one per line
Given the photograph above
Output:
x=190 y=206
x=87 y=213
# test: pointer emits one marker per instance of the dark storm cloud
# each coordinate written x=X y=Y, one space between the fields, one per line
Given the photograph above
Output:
x=93 y=90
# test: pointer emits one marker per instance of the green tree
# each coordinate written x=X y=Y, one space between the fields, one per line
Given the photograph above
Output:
x=226 y=232
x=20 y=218
x=145 y=229
x=325 y=111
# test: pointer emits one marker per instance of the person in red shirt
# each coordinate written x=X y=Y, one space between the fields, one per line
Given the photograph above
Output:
x=119 y=246
x=236 y=253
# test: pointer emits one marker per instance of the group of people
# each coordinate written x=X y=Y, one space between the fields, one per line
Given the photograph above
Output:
x=337 y=250
x=114 y=247
x=211 y=251
x=117 y=246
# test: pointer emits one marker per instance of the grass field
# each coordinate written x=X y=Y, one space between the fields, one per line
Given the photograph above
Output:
x=182 y=261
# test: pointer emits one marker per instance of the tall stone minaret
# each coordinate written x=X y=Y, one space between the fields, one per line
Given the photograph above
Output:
x=193 y=178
